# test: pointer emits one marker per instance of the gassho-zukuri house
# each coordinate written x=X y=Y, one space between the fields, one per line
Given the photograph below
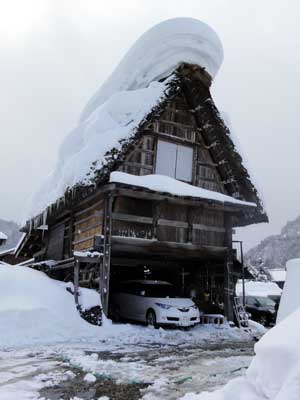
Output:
x=150 y=177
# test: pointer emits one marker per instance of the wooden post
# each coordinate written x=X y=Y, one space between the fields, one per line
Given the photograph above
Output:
x=105 y=265
x=228 y=268
x=71 y=228
x=76 y=281
x=155 y=213
x=190 y=225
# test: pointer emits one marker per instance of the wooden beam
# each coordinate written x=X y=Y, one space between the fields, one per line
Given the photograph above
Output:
x=131 y=218
x=144 y=247
x=76 y=281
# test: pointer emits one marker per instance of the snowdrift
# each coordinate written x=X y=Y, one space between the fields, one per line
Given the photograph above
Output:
x=290 y=300
x=37 y=309
x=128 y=95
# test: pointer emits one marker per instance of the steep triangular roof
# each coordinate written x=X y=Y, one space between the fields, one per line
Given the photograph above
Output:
x=192 y=82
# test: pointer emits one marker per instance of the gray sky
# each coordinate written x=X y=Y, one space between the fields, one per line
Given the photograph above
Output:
x=54 y=54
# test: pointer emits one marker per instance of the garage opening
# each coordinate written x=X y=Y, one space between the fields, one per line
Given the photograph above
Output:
x=203 y=282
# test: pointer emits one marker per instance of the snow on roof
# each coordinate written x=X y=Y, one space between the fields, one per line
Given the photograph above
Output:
x=254 y=288
x=114 y=120
x=165 y=184
x=126 y=98
x=3 y=236
x=157 y=53
x=278 y=275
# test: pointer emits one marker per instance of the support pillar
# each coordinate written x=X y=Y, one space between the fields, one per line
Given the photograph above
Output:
x=105 y=261
x=228 y=269
x=76 y=281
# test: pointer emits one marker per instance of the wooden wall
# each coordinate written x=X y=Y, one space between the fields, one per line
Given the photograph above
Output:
x=165 y=221
x=177 y=125
x=86 y=224
x=145 y=219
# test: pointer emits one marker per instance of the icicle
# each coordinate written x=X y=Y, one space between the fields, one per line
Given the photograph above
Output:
x=45 y=214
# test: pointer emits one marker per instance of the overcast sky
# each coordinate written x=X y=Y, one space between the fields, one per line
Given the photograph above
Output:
x=54 y=54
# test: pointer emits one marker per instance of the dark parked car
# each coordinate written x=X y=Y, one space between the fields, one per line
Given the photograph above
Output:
x=262 y=309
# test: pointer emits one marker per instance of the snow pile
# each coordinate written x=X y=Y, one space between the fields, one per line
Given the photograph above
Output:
x=165 y=184
x=35 y=309
x=290 y=300
x=255 y=288
x=3 y=236
x=126 y=98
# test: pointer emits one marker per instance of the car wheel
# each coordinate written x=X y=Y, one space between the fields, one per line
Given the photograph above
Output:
x=151 y=318
x=263 y=320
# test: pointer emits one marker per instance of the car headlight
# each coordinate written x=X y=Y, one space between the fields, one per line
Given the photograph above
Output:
x=164 y=306
x=194 y=307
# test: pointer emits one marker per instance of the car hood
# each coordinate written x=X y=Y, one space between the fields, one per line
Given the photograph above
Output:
x=176 y=302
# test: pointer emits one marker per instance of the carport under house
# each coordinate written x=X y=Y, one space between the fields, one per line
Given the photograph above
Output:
x=150 y=177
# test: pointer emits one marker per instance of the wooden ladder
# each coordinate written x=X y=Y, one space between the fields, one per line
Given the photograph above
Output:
x=241 y=314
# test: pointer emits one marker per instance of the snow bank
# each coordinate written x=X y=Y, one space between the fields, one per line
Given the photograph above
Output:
x=36 y=309
x=126 y=98
x=254 y=288
x=165 y=184
x=290 y=300
x=275 y=370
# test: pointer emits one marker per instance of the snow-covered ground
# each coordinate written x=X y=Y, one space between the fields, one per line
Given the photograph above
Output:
x=152 y=370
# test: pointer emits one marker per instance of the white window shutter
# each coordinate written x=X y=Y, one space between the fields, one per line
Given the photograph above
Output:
x=166 y=158
x=184 y=164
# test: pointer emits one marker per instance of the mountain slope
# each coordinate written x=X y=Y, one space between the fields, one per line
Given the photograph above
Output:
x=11 y=229
x=276 y=250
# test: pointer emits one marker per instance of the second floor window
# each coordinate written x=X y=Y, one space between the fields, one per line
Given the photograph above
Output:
x=174 y=160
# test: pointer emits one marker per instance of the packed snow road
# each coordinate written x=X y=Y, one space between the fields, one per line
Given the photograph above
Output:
x=143 y=371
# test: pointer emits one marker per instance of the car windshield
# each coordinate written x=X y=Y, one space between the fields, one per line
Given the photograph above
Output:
x=265 y=301
x=161 y=291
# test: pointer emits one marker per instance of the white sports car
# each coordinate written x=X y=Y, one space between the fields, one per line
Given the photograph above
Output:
x=153 y=302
